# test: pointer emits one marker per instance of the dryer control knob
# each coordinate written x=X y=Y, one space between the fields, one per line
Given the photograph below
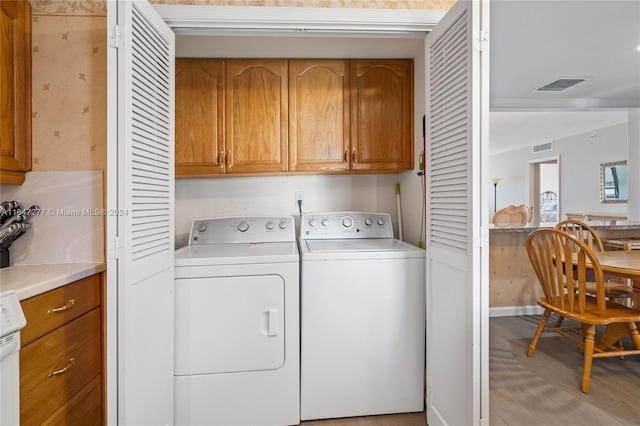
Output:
x=347 y=222
x=270 y=225
x=325 y=222
x=202 y=227
x=380 y=221
x=283 y=224
x=243 y=226
x=313 y=222
x=368 y=221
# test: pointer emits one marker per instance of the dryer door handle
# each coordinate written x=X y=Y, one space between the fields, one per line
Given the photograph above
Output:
x=274 y=322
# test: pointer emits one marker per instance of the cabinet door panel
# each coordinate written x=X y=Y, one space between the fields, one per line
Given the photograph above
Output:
x=382 y=114
x=256 y=111
x=15 y=91
x=319 y=115
x=199 y=116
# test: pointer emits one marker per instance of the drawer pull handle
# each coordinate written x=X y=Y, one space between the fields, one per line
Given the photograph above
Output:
x=221 y=159
x=354 y=159
x=345 y=158
x=69 y=305
x=72 y=361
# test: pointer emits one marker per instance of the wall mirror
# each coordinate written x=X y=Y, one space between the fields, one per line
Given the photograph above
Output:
x=613 y=182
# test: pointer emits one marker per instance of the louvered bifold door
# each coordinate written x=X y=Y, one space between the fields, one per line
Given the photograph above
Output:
x=145 y=215
x=452 y=165
x=449 y=141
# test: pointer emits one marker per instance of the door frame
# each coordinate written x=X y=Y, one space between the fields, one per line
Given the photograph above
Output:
x=533 y=184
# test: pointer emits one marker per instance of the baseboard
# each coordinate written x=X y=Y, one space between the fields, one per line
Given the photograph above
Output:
x=509 y=311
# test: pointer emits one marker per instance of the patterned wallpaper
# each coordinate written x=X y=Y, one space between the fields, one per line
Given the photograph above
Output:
x=69 y=7
x=98 y=7
x=362 y=4
x=69 y=80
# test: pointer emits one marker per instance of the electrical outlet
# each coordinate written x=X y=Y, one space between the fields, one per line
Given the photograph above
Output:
x=300 y=197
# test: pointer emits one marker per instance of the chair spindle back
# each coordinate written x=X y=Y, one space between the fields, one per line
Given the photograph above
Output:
x=583 y=232
x=561 y=263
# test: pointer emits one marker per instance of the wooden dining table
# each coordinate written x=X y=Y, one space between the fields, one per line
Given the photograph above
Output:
x=623 y=263
x=626 y=264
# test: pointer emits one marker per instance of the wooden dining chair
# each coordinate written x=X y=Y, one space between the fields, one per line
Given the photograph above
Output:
x=614 y=287
x=582 y=232
x=563 y=281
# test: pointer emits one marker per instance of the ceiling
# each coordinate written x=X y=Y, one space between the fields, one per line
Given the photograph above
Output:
x=536 y=42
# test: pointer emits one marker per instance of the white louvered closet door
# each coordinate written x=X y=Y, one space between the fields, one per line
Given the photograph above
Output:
x=456 y=371
x=143 y=247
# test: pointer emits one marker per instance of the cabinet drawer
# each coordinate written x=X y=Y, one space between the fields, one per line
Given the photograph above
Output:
x=54 y=308
x=76 y=346
x=85 y=408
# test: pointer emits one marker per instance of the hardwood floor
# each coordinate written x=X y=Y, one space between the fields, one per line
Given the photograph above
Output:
x=545 y=389
x=408 y=419
x=541 y=390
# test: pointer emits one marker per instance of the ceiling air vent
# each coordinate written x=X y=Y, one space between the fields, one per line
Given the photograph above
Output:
x=561 y=84
x=543 y=147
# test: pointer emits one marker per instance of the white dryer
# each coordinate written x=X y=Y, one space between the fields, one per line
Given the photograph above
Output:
x=362 y=317
x=237 y=359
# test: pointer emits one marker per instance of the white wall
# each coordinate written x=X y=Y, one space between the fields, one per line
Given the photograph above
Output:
x=580 y=158
x=255 y=196
x=549 y=178
x=215 y=197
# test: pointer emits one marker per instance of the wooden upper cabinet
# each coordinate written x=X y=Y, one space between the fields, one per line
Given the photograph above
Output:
x=256 y=106
x=199 y=116
x=244 y=116
x=15 y=91
x=382 y=115
x=319 y=115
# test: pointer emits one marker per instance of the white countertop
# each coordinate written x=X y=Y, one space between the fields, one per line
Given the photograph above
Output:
x=32 y=280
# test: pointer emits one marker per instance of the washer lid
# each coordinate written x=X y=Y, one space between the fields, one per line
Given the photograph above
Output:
x=338 y=246
x=358 y=249
x=234 y=254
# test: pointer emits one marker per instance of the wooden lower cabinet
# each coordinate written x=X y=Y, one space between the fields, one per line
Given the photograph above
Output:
x=61 y=364
x=84 y=408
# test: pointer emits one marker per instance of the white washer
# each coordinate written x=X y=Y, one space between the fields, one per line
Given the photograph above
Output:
x=237 y=333
x=362 y=317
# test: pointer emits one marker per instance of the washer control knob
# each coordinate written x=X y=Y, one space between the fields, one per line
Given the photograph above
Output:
x=243 y=226
x=313 y=222
x=380 y=221
x=347 y=222
x=202 y=227
x=325 y=222
x=270 y=225
x=283 y=224
x=368 y=221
